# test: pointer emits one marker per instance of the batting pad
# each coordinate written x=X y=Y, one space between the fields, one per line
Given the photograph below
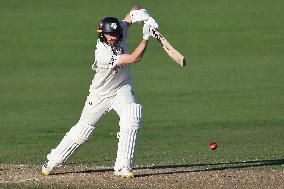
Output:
x=130 y=116
x=77 y=135
x=130 y=122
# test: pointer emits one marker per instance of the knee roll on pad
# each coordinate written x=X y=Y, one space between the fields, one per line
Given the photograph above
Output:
x=131 y=116
x=80 y=133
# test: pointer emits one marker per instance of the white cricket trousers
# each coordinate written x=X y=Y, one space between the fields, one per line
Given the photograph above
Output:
x=130 y=113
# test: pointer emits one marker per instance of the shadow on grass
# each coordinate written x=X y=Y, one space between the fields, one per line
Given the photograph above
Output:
x=190 y=168
x=210 y=166
x=101 y=170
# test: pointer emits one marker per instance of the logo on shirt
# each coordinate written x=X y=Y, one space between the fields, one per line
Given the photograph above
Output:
x=113 y=25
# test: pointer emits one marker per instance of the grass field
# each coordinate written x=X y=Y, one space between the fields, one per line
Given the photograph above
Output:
x=231 y=92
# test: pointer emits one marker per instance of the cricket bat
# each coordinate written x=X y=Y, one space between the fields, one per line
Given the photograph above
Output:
x=172 y=52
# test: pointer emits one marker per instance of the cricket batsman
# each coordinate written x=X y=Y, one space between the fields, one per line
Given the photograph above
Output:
x=111 y=89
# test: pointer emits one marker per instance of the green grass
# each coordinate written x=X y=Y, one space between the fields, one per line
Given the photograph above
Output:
x=231 y=91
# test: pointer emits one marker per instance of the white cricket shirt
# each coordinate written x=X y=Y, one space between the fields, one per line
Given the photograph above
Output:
x=109 y=77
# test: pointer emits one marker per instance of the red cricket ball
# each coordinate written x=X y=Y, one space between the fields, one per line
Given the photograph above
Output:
x=213 y=146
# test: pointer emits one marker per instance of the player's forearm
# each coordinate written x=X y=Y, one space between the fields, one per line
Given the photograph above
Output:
x=139 y=51
x=135 y=56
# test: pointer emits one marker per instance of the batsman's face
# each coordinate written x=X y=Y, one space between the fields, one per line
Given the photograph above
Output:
x=111 y=39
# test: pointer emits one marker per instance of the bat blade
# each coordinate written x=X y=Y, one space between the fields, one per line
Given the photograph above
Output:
x=170 y=50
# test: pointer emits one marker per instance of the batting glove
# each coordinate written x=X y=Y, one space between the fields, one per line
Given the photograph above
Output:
x=150 y=21
x=146 y=31
x=138 y=15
